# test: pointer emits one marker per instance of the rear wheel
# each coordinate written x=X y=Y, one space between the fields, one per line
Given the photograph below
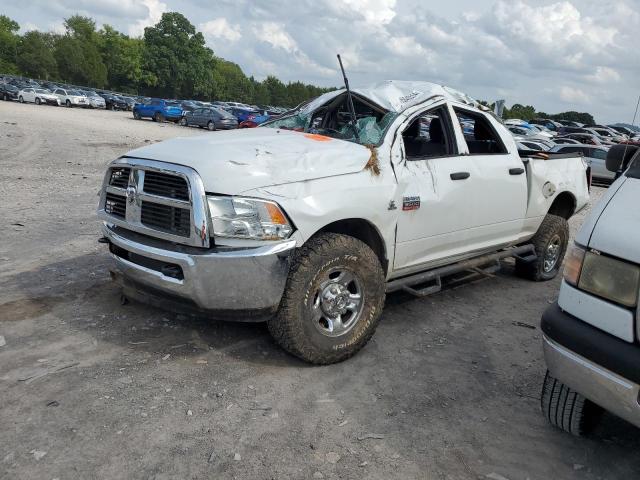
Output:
x=158 y=117
x=68 y=103
x=183 y=122
x=21 y=100
x=211 y=126
x=567 y=409
x=550 y=243
x=333 y=300
x=37 y=101
x=136 y=115
x=4 y=97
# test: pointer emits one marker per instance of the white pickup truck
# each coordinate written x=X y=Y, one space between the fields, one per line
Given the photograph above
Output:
x=310 y=219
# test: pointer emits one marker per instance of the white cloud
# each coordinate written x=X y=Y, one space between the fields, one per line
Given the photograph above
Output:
x=155 y=9
x=221 y=28
x=573 y=95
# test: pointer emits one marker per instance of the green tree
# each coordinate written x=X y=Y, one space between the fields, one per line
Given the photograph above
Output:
x=8 y=44
x=123 y=60
x=77 y=55
x=35 y=55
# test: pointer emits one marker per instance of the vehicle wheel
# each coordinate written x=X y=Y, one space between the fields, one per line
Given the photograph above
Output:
x=183 y=122
x=158 y=117
x=4 y=97
x=136 y=115
x=211 y=126
x=37 y=101
x=21 y=100
x=68 y=103
x=550 y=242
x=567 y=409
x=332 y=302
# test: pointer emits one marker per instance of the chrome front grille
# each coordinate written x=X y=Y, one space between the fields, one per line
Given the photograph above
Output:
x=157 y=199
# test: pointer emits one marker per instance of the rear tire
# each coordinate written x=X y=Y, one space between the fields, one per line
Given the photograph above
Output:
x=68 y=103
x=211 y=126
x=332 y=302
x=158 y=117
x=183 y=122
x=21 y=100
x=136 y=115
x=550 y=243
x=567 y=409
x=38 y=101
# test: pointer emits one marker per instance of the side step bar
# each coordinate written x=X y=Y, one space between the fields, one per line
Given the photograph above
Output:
x=524 y=252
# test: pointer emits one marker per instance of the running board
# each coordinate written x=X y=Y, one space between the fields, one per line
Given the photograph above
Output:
x=525 y=253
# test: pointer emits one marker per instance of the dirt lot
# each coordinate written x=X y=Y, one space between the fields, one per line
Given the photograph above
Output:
x=447 y=389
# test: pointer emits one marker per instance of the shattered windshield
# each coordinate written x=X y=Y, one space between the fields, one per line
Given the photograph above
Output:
x=333 y=119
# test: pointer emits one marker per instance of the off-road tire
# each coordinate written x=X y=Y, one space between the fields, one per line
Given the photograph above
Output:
x=552 y=227
x=292 y=328
x=567 y=409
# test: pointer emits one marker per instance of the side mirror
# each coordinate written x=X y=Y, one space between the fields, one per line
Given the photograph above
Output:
x=619 y=156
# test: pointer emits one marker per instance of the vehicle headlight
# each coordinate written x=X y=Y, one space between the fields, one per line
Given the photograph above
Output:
x=239 y=217
x=573 y=264
x=610 y=278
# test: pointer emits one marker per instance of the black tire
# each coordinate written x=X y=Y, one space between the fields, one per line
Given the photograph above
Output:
x=136 y=115
x=211 y=126
x=553 y=232
x=37 y=101
x=68 y=103
x=158 y=117
x=4 y=97
x=183 y=122
x=20 y=99
x=567 y=409
x=298 y=331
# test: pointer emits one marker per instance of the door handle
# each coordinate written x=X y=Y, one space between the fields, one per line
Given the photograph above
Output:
x=460 y=175
x=516 y=171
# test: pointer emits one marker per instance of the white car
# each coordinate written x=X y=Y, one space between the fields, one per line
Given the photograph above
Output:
x=309 y=220
x=96 y=101
x=37 y=96
x=591 y=335
x=71 y=98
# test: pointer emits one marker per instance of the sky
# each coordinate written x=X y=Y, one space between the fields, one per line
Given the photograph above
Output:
x=556 y=55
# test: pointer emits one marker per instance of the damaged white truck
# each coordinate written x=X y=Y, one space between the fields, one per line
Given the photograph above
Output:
x=308 y=221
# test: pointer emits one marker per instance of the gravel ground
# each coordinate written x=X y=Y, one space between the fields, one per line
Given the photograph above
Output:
x=447 y=389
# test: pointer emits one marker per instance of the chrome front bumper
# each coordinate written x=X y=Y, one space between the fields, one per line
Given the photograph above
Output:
x=603 y=387
x=243 y=284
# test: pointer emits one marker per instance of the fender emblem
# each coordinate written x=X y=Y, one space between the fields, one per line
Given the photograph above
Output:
x=410 y=203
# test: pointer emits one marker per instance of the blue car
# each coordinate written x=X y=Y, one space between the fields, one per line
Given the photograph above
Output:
x=158 y=110
x=244 y=114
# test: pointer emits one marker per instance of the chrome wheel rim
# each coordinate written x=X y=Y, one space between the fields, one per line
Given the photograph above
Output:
x=552 y=253
x=338 y=301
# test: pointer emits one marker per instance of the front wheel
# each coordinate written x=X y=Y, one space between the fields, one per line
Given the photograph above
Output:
x=68 y=103
x=136 y=115
x=550 y=243
x=158 y=117
x=211 y=126
x=183 y=122
x=37 y=101
x=332 y=301
x=21 y=100
x=567 y=409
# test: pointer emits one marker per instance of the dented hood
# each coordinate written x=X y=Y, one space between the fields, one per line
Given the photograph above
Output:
x=235 y=161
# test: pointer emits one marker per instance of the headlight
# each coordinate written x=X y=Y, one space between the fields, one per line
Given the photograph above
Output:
x=610 y=278
x=237 y=217
x=573 y=264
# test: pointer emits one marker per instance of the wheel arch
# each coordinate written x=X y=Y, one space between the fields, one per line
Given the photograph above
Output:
x=363 y=230
x=564 y=205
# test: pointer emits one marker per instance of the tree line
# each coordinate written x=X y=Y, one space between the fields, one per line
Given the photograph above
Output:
x=170 y=60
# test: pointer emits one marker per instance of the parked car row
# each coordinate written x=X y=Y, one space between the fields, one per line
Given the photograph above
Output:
x=593 y=142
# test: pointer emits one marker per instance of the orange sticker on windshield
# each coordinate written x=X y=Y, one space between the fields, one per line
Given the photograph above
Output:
x=318 y=138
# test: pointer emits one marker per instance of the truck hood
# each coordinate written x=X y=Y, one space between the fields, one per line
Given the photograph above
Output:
x=235 y=161
x=617 y=230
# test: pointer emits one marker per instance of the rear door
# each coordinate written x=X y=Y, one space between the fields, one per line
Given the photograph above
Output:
x=501 y=183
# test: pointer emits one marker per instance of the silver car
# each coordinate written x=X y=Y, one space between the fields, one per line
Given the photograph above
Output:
x=595 y=157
